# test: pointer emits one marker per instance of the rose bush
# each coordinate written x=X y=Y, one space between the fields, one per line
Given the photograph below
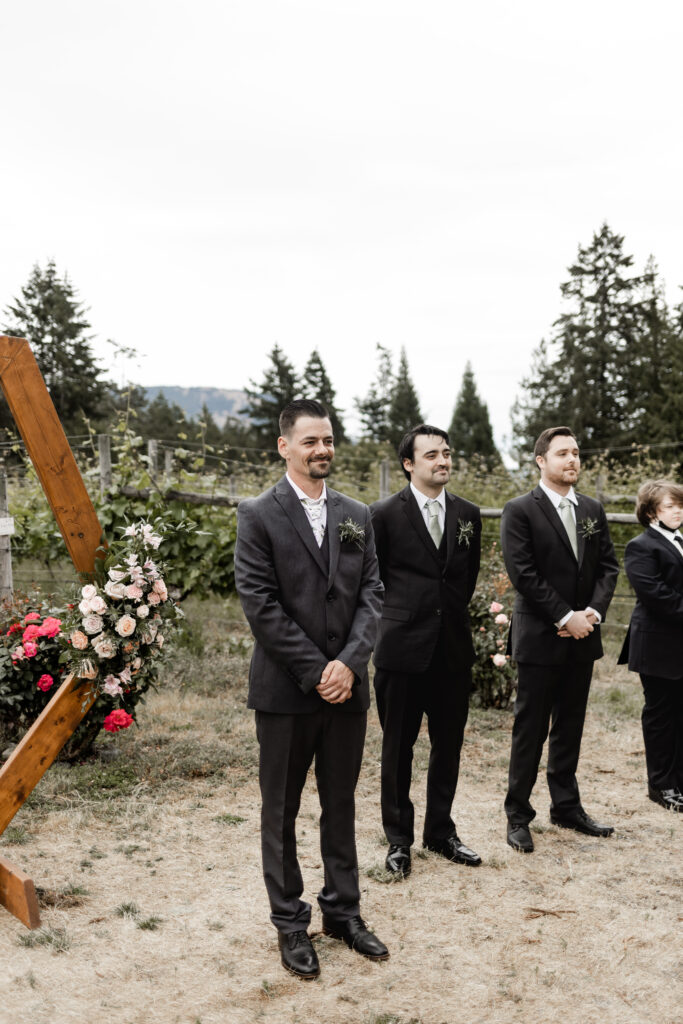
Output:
x=493 y=676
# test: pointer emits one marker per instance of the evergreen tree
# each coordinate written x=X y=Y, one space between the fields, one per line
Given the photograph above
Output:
x=404 y=408
x=163 y=420
x=373 y=410
x=317 y=384
x=51 y=318
x=470 y=431
x=587 y=375
x=265 y=401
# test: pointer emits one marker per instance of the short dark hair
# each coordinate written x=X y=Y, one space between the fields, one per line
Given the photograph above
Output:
x=406 y=449
x=650 y=495
x=301 y=407
x=544 y=439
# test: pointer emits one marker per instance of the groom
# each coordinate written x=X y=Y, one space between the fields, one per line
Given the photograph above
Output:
x=306 y=574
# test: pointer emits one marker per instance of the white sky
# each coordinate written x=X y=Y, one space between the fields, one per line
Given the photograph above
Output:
x=218 y=176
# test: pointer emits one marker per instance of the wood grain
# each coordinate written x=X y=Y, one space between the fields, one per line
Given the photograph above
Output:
x=18 y=894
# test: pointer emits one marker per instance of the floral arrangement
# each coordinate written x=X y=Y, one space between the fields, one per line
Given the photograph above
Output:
x=465 y=531
x=493 y=675
x=115 y=636
x=589 y=527
x=352 y=532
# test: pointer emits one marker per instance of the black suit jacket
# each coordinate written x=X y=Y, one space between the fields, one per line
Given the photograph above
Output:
x=654 y=642
x=423 y=592
x=303 y=611
x=550 y=581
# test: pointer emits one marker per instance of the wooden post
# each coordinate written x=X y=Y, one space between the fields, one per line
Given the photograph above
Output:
x=600 y=488
x=104 y=445
x=152 y=457
x=6 y=531
x=168 y=463
x=38 y=423
x=384 y=478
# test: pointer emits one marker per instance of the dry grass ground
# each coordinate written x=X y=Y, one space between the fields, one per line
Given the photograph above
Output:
x=155 y=910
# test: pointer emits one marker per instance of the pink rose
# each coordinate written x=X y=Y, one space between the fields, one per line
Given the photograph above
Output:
x=112 y=686
x=495 y=607
x=31 y=617
x=160 y=589
x=30 y=648
x=50 y=627
x=31 y=632
x=118 y=719
x=45 y=682
x=153 y=598
x=125 y=626
x=79 y=640
x=133 y=592
x=18 y=653
x=498 y=660
x=501 y=620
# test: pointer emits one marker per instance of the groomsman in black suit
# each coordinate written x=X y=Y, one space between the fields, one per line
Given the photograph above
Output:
x=428 y=546
x=561 y=561
x=306 y=573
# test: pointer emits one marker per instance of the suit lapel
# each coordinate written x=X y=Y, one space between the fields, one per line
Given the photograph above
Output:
x=417 y=522
x=287 y=499
x=581 y=514
x=334 y=518
x=552 y=515
x=666 y=545
x=451 y=526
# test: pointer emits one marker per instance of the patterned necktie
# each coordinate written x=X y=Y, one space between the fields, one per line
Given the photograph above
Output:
x=435 y=531
x=569 y=524
x=314 y=508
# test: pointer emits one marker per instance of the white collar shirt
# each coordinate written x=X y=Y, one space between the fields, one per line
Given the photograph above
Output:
x=422 y=500
x=670 y=535
x=557 y=498
x=316 y=517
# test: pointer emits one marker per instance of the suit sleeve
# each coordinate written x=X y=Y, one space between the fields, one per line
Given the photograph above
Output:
x=645 y=576
x=363 y=632
x=258 y=589
x=475 y=557
x=607 y=569
x=520 y=562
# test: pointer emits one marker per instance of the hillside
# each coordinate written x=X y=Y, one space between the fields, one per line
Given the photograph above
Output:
x=221 y=402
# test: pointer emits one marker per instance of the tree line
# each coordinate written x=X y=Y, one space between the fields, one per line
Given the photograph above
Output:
x=611 y=367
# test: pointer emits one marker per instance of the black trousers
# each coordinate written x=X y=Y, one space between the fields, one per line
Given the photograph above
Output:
x=662 y=720
x=442 y=693
x=288 y=746
x=545 y=694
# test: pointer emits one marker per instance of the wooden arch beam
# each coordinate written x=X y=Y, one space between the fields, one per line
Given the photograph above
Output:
x=42 y=433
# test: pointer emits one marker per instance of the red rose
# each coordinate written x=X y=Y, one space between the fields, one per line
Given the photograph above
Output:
x=31 y=632
x=45 y=682
x=50 y=627
x=118 y=719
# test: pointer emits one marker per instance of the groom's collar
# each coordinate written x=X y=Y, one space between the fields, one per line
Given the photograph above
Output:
x=422 y=499
x=557 y=498
x=299 y=493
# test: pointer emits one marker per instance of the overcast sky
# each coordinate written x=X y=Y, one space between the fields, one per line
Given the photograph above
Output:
x=219 y=176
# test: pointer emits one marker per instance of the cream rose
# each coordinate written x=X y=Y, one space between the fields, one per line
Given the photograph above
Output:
x=125 y=626
x=115 y=590
x=92 y=624
x=142 y=611
x=105 y=647
x=79 y=640
x=98 y=605
x=89 y=591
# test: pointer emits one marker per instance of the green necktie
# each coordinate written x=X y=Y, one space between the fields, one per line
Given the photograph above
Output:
x=435 y=531
x=569 y=524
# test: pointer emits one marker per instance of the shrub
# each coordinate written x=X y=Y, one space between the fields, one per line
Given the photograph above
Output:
x=493 y=674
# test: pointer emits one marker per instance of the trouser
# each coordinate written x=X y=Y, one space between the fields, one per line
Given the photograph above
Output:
x=547 y=694
x=662 y=720
x=442 y=693
x=288 y=746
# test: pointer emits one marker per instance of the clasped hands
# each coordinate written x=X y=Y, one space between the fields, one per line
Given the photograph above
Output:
x=579 y=625
x=336 y=682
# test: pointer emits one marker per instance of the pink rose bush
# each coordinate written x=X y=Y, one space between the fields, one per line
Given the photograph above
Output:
x=30 y=661
x=493 y=674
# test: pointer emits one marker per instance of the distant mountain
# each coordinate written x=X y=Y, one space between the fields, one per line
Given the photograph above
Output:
x=220 y=402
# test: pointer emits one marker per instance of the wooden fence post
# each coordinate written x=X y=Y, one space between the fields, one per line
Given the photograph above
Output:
x=152 y=457
x=384 y=485
x=168 y=463
x=104 y=446
x=6 y=530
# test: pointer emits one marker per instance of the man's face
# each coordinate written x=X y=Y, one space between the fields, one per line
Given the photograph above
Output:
x=309 y=449
x=561 y=464
x=430 y=468
x=669 y=512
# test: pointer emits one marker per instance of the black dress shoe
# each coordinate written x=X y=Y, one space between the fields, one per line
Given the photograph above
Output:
x=356 y=936
x=452 y=849
x=398 y=860
x=519 y=838
x=672 y=799
x=580 y=822
x=297 y=955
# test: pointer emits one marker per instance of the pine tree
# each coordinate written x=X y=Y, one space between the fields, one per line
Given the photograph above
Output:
x=470 y=431
x=163 y=420
x=404 y=408
x=373 y=410
x=51 y=318
x=317 y=384
x=265 y=401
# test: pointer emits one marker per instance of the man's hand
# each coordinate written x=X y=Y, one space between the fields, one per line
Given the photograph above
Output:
x=579 y=626
x=335 y=683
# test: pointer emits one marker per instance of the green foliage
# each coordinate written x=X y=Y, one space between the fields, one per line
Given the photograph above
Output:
x=317 y=384
x=470 y=431
x=404 y=408
x=493 y=685
x=265 y=401
x=373 y=409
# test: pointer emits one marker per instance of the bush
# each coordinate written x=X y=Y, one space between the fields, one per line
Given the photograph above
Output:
x=493 y=675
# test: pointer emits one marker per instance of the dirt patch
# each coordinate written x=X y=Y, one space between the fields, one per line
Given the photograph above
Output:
x=168 y=919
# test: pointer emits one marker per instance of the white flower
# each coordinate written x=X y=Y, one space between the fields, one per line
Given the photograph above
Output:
x=125 y=677
x=151 y=569
x=84 y=607
x=105 y=647
x=499 y=660
x=98 y=604
x=501 y=620
x=142 y=611
x=131 y=559
x=89 y=591
x=116 y=575
x=125 y=626
x=112 y=686
x=136 y=664
x=115 y=590
x=92 y=624
x=130 y=531
x=160 y=639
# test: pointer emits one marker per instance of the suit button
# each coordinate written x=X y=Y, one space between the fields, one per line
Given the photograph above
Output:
x=331 y=636
x=438 y=611
x=330 y=597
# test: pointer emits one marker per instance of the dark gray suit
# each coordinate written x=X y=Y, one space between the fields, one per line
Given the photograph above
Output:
x=307 y=606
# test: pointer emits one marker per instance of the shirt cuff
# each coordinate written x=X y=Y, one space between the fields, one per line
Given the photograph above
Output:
x=565 y=618
x=596 y=614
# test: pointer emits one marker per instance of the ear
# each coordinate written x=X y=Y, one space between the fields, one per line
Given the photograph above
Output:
x=540 y=461
x=408 y=465
x=283 y=447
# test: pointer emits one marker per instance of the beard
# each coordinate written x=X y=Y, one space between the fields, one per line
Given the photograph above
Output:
x=319 y=468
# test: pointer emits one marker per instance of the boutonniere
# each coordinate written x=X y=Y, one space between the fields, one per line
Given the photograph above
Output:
x=352 y=532
x=589 y=527
x=465 y=531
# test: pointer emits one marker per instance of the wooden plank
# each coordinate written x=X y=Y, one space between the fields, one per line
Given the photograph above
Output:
x=38 y=423
x=34 y=754
x=18 y=894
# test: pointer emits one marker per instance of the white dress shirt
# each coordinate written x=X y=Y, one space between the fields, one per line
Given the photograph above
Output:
x=670 y=535
x=422 y=500
x=556 y=499
x=318 y=525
